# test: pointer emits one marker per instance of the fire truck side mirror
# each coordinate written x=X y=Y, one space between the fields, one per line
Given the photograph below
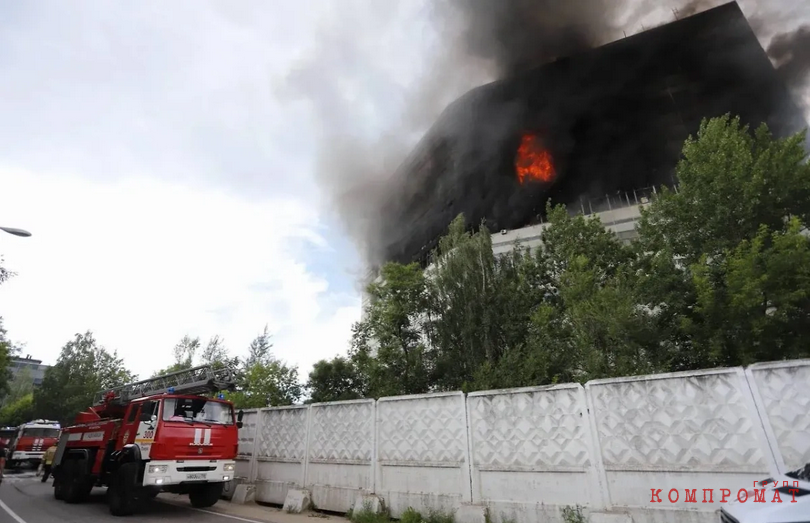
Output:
x=240 y=415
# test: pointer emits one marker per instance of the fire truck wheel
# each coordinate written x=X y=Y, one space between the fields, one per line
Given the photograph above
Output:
x=203 y=496
x=58 y=489
x=121 y=494
x=75 y=481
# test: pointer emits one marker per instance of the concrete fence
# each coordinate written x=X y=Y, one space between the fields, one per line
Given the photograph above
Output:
x=523 y=455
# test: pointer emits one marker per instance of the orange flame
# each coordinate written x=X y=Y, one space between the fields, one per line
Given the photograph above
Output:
x=533 y=162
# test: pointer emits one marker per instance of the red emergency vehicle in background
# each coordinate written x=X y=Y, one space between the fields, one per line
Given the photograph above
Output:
x=31 y=441
x=8 y=435
x=161 y=434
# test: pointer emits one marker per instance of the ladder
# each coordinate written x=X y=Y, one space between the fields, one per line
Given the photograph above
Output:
x=197 y=380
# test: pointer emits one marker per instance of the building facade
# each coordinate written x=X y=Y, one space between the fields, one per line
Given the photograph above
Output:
x=619 y=213
x=36 y=369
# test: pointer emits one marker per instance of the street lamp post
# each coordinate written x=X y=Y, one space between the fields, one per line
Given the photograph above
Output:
x=16 y=232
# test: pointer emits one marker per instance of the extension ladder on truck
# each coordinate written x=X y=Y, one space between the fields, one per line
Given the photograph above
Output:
x=197 y=380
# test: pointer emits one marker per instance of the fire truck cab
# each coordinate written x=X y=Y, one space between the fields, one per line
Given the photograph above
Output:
x=8 y=435
x=31 y=442
x=157 y=435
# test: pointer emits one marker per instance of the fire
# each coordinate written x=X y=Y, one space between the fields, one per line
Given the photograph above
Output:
x=533 y=162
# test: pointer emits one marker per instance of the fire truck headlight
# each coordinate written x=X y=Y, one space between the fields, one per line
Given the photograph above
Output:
x=228 y=467
x=158 y=469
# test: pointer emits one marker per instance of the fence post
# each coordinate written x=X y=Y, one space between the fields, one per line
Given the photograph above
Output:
x=472 y=480
x=253 y=467
x=374 y=440
x=307 y=438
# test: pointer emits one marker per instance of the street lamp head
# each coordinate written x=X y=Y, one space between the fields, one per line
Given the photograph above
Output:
x=16 y=232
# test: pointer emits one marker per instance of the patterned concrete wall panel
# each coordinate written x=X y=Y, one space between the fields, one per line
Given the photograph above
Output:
x=540 y=433
x=282 y=434
x=422 y=454
x=280 y=460
x=342 y=432
x=680 y=431
x=537 y=429
x=701 y=421
x=341 y=451
x=782 y=391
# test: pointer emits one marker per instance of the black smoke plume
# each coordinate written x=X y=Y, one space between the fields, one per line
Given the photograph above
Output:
x=394 y=196
x=791 y=52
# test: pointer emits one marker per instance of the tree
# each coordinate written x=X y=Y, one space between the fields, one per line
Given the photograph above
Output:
x=262 y=380
x=7 y=351
x=184 y=353
x=707 y=249
x=388 y=345
x=5 y=274
x=84 y=368
x=267 y=385
x=730 y=183
x=17 y=412
x=259 y=350
x=21 y=385
x=336 y=380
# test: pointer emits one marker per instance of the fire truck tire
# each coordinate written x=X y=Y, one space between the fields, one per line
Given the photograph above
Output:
x=203 y=496
x=122 y=492
x=58 y=489
x=75 y=481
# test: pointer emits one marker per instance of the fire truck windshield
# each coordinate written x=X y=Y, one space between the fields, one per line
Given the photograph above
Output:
x=40 y=432
x=5 y=434
x=197 y=409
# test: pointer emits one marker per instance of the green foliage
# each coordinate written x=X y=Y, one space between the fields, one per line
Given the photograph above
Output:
x=410 y=516
x=7 y=351
x=573 y=515
x=18 y=411
x=720 y=275
x=259 y=350
x=20 y=386
x=83 y=369
x=335 y=380
x=367 y=515
x=267 y=385
x=263 y=380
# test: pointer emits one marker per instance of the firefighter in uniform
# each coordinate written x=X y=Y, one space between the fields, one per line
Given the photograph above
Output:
x=47 y=462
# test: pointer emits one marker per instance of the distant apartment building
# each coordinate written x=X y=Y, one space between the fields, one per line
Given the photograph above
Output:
x=36 y=369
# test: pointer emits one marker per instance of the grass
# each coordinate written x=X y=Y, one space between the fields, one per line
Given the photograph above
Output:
x=367 y=515
x=573 y=515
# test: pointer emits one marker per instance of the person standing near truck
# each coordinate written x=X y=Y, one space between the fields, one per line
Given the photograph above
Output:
x=47 y=462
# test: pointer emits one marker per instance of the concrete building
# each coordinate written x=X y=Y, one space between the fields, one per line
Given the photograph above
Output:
x=619 y=213
x=36 y=369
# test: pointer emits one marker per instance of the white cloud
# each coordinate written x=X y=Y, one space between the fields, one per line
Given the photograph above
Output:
x=142 y=262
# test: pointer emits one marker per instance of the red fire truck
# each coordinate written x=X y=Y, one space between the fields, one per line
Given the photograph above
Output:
x=31 y=442
x=161 y=434
x=8 y=435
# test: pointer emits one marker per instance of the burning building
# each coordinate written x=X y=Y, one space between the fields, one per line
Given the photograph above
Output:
x=609 y=120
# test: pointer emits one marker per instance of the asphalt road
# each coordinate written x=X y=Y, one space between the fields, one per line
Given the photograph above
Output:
x=25 y=499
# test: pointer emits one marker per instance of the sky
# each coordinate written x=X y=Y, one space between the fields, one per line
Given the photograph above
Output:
x=167 y=158
x=167 y=181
